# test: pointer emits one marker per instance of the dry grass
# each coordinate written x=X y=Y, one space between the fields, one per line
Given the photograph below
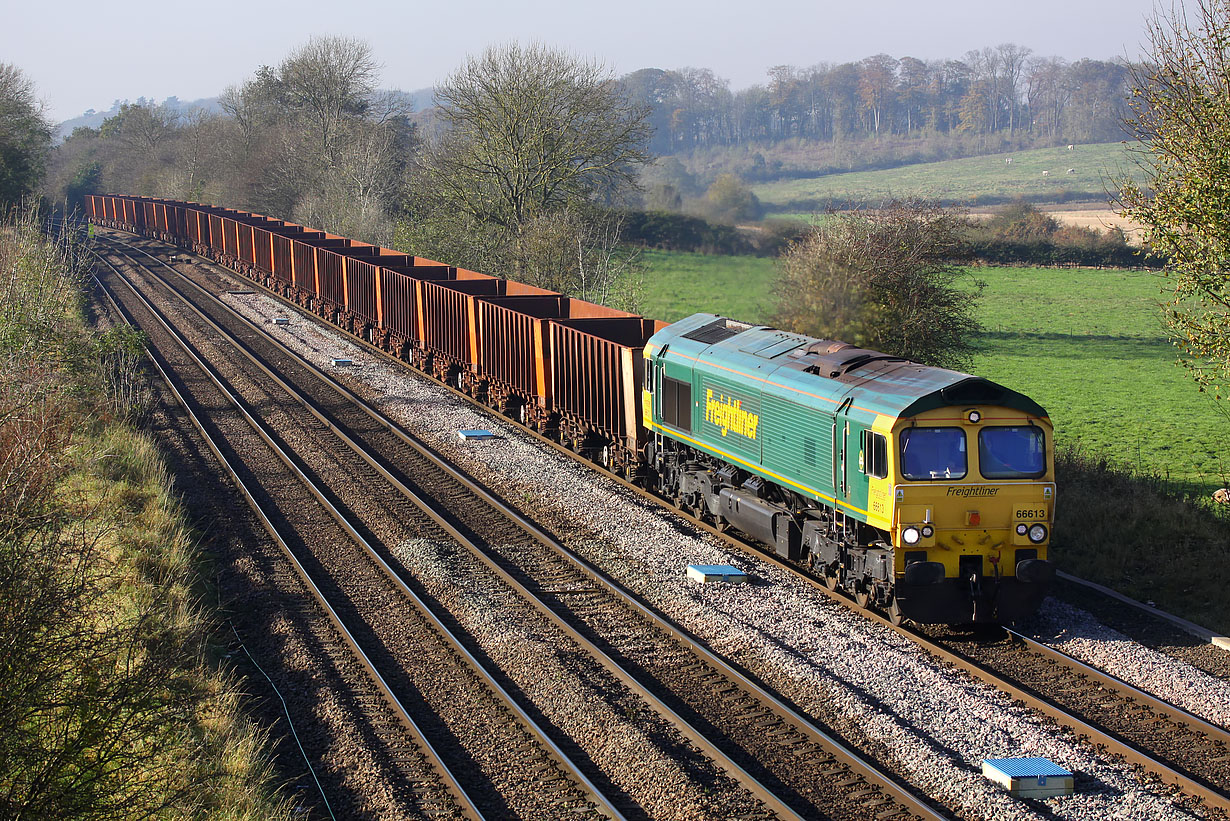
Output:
x=115 y=706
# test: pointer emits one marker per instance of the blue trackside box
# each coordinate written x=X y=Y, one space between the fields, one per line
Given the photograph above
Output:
x=705 y=573
x=1029 y=777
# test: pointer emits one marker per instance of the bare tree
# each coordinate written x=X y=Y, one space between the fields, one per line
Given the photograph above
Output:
x=143 y=128
x=530 y=130
x=328 y=80
x=1011 y=64
x=363 y=185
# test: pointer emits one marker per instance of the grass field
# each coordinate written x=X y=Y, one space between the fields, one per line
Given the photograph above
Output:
x=678 y=284
x=969 y=181
x=1091 y=348
x=1088 y=345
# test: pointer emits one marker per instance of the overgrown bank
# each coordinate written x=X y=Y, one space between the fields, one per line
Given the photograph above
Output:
x=113 y=706
x=1134 y=532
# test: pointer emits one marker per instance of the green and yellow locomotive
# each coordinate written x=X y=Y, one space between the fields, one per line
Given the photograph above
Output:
x=923 y=491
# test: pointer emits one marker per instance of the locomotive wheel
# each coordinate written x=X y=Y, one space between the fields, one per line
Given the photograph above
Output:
x=831 y=580
x=862 y=598
x=894 y=612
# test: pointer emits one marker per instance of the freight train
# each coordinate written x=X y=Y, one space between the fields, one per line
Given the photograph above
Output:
x=921 y=491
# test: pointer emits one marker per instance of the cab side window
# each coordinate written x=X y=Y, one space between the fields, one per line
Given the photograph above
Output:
x=875 y=455
x=676 y=403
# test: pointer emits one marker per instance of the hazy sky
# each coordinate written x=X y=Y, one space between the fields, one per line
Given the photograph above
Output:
x=86 y=55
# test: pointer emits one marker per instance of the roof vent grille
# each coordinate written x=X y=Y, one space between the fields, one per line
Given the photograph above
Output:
x=716 y=331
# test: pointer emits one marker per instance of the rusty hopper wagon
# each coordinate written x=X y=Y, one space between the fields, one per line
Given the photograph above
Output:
x=565 y=367
x=924 y=492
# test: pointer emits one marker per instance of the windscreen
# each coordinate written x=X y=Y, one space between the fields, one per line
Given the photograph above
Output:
x=1011 y=452
x=933 y=453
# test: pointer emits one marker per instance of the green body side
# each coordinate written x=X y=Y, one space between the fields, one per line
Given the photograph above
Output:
x=777 y=405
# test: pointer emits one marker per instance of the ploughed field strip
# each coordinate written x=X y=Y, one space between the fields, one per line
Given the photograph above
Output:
x=763 y=737
x=504 y=766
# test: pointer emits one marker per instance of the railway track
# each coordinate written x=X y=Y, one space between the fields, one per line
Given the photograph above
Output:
x=1161 y=739
x=1182 y=749
x=422 y=702
x=651 y=657
x=1175 y=755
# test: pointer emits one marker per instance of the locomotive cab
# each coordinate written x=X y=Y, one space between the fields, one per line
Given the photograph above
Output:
x=973 y=501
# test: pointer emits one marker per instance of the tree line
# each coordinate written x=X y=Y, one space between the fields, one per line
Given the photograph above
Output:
x=299 y=129
x=1005 y=90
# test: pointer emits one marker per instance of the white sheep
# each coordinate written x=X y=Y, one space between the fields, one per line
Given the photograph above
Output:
x=1008 y=161
x=1071 y=170
x=1046 y=173
x=1071 y=147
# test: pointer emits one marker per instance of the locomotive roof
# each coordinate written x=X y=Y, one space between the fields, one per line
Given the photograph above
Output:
x=830 y=370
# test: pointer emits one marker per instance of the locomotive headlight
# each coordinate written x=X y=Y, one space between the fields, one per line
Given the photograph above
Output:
x=928 y=531
x=911 y=535
x=1022 y=529
x=1037 y=534
x=974 y=417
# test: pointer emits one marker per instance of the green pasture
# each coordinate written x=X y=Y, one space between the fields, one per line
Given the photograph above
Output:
x=678 y=284
x=1040 y=175
x=1089 y=345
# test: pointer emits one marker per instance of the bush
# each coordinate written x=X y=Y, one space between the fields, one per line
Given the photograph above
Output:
x=1021 y=234
x=729 y=200
x=678 y=232
x=1022 y=222
x=887 y=279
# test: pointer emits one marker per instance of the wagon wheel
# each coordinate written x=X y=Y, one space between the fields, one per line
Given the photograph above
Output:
x=894 y=612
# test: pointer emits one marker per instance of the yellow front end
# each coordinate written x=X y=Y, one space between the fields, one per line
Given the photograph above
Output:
x=959 y=502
